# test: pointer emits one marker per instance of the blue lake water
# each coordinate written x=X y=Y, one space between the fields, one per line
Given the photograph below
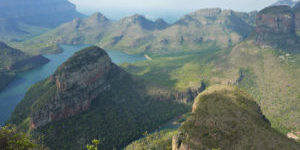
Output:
x=15 y=92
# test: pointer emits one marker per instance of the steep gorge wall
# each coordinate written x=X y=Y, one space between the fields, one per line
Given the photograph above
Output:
x=276 y=27
x=77 y=82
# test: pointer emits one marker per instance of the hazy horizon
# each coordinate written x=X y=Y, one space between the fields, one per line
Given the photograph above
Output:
x=167 y=9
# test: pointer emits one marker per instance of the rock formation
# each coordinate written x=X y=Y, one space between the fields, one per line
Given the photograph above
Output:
x=275 y=27
x=296 y=10
x=227 y=118
x=77 y=82
x=87 y=97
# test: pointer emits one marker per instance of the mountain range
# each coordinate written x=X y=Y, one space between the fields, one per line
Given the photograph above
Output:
x=204 y=29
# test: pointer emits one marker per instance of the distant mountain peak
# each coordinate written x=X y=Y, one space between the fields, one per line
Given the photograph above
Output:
x=144 y=22
x=290 y=3
x=98 y=16
x=136 y=18
x=205 y=11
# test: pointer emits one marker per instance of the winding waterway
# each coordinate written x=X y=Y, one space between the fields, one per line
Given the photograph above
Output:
x=16 y=90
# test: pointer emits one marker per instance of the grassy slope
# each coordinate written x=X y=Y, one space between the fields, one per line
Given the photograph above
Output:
x=273 y=82
x=222 y=118
x=21 y=32
x=161 y=140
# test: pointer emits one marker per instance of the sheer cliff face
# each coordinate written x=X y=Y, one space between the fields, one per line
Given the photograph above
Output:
x=47 y=13
x=296 y=10
x=276 y=27
x=77 y=82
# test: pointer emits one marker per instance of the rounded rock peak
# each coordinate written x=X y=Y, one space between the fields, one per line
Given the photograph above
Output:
x=84 y=57
x=277 y=10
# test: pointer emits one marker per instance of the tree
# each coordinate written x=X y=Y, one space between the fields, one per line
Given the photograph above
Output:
x=94 y=145
x=11 y=140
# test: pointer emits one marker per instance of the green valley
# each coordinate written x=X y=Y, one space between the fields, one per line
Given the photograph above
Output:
x=215 y=79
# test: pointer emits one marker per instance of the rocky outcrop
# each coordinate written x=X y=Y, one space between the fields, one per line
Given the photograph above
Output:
x=47 y=13
x=187 y=96
x=77 y=82
x=275 y=27
x=227 y=118
x=296 y=10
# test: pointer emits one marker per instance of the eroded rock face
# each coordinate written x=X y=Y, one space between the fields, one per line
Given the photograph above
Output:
x=275 y=27
x=187 y=96
x=296 y=10
x=77 y=82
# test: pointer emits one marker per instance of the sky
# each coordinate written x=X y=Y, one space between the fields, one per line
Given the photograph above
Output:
x=167 y=9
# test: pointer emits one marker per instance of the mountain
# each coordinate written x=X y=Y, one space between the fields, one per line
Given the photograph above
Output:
x=290 y=3
x=227 y=118
x=296 y=11
x=269 y=74
x=204 y=29
x=79 y=31
x=275 y=27
x=9 y=27
x=24 y=19
x=13 y=31
x=132 y=33
x=14 y=61
x=89 y=97
x=44 y=13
